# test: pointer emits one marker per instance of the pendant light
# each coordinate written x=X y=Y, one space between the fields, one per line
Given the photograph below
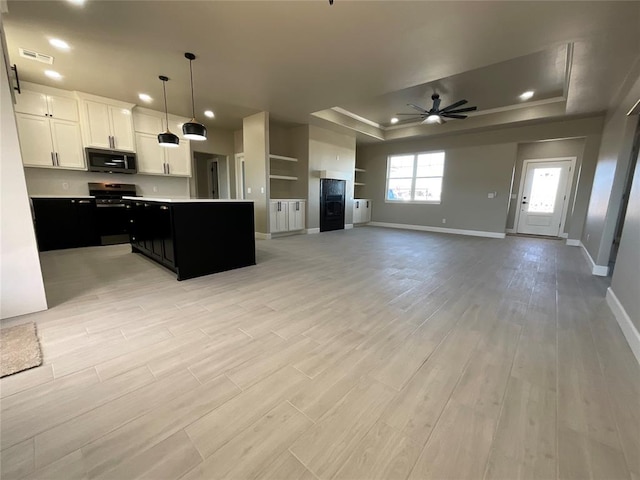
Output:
x=193 y=130
x=167 y=139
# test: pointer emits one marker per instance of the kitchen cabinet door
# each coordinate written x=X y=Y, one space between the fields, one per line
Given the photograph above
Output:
x=147 y=123
x=35 y=140
x=296 y=215
x=67 y=144
x=121 y=125
x=357 y=211
x=33 y=103
x=366 y=211
x=179 y=159
x=279 y=213
x=97 y=128
x=62 y=108
x=150 y=154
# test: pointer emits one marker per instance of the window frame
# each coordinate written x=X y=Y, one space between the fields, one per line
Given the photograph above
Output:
x=414 y=178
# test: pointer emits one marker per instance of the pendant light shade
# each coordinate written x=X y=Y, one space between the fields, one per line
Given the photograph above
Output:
x=167 y=139
x=193 y=130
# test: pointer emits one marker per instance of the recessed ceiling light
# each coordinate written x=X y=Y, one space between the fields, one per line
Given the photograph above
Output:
x=61 y=44
x=77 y=2
x=394 y=120
x=209 y=113
x=53 y=74
x=527 y=95
x=145 y=98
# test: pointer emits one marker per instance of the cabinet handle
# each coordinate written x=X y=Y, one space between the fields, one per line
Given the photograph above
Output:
x=53 y=159
x=168 y=169
x=367 y=203
x=84 y=201
x=57 y=159
x=297 y=205
x=73 y=201
x=164 y=207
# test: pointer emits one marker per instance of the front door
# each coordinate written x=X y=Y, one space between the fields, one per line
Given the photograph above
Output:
x=543 y=197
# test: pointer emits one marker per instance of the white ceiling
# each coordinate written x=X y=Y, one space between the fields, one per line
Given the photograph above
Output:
x=295 y=58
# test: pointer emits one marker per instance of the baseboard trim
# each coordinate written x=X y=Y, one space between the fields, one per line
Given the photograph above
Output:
x=510 y=230
x=348 y=226
x=564 y=235
x=262 y=236
x=424 y=228
x=572 y=242
x=311 y=231
x=598 y=270
x=629 y=330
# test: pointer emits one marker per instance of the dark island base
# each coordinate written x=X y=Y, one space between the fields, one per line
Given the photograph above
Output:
x=194 y=239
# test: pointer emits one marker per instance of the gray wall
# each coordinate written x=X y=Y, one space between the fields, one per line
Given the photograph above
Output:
x=582 y=178
x=329 y=150
x=470 y=173
x=48 y=181
x=290 y=142
x=626 y=276
x=256 y=148
x=611 y=171
x=467 y=153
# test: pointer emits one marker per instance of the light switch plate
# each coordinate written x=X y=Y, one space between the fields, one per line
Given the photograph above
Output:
x=248 y=189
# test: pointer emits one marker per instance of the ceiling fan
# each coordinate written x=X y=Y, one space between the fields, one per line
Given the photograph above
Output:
x=436 y=114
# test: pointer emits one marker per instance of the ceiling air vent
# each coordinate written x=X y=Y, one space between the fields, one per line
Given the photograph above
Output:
x=39 y=57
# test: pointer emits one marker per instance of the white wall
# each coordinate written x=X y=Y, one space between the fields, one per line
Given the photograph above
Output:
x=21 y=285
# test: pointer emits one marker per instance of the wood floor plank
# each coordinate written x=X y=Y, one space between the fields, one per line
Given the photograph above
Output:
x=327 y=445
x=17 y=461
x=285 y=467
x=253 y=450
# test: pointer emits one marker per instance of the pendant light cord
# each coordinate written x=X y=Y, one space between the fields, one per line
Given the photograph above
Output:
x=193 y=102
x=166 y=112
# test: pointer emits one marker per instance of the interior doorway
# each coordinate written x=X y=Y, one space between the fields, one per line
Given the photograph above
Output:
x=214 y=181
x=624 y=202
x=210 y=176
x=240 y=177
x=545 y=187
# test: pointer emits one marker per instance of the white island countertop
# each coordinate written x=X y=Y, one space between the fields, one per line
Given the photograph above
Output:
x=187 y=200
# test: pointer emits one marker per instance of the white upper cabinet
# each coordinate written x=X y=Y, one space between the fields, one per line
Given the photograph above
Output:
x=106 y=123
x=152 y=158
x=67 y=144
x=47 y=105
x=50 y=142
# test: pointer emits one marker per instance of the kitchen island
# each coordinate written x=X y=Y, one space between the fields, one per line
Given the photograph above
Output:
x=193 y=237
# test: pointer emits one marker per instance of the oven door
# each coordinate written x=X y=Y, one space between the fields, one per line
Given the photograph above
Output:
x=110 y=161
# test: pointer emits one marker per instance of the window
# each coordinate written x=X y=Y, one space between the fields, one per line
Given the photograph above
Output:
x=415 y=178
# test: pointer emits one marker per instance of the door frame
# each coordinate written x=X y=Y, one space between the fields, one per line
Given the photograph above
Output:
x=240 y=180
x=565 y=207
x=210 y=163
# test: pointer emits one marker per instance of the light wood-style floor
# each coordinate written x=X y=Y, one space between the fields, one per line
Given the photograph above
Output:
x=358 y=354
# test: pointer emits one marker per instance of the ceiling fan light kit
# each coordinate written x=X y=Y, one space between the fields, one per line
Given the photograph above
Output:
x=167 y=139
x=193 y=130
x=437 y=115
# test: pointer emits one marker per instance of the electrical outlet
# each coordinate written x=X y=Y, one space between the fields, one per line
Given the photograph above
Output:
x=444 y=220
x=155 y=188
x=588 y=236
x=261 y=189
x=65 y=185
x=248 y=189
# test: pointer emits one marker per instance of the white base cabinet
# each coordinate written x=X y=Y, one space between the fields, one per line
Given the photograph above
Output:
x=361 y=210
x=287 y=215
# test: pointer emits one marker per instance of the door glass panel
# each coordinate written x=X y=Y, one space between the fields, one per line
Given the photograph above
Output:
x=544 y=189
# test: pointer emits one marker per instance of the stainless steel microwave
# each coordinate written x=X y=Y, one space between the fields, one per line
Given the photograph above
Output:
x=111 y=161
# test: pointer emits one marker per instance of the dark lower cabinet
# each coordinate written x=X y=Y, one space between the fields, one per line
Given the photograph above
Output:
x=65 y=223
x=194 y=238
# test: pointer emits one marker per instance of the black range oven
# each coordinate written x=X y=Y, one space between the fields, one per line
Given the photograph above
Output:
x=112 y=218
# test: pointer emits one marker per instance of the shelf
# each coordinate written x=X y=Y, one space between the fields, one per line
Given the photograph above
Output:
x=282 y=177
x=360 y=170
x=282 y=157
x=358 y=184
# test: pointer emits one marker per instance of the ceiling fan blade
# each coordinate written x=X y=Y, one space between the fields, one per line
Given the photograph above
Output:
x=452 y=115
x=420 y=109
x=460 y=110
x=411 y=113
x=453 y=106
x=409 y=120
x=436 y=104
